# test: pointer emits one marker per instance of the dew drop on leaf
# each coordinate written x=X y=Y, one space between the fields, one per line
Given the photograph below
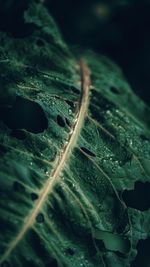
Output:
x=70 y=111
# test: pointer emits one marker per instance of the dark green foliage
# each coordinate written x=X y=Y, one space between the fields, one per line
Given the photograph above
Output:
x=60 y=209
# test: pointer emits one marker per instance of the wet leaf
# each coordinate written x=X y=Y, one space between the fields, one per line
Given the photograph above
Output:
x=73 y=138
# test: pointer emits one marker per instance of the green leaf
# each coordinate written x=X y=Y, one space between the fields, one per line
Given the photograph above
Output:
x=73 y=138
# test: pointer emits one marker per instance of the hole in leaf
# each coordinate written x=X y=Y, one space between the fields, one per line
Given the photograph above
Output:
x=144 y=138
x=119 y=254
x=71 y=103
x=25 y=114
x=75 y=90
x=52 y=263
x=61 y=121
x=40 y=42
x=115 y=90
x=122 y=226
x=31 y=71
x=70 y=251
x=34 y=196
x=40 y=218
x=139 y=198
x=17 y=187
x=143 y=257
x=100 y=244
x=67 y=122
x=87 y=151
x=19 y=134
x=60 y=192
x=38 y=246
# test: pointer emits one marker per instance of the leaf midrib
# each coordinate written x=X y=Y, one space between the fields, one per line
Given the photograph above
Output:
x=60 y=161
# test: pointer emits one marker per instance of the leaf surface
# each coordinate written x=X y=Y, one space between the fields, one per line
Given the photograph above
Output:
x=73 y=138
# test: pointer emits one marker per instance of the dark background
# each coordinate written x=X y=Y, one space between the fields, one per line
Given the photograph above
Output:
x=119 y=29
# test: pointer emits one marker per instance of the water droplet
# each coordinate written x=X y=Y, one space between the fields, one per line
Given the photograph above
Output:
x=70 y=111
x=74 y=104
x=61 y=175
x=15 y=221
x=31 y=163
x=113 y=169
x=86 y=261
x=75 y=120
x=45 y=76
x=130 y=142
x=66 y=143
x=120 y=127
x=108 y=112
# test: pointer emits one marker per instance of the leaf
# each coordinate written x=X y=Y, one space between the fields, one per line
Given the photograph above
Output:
x=73 y=138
